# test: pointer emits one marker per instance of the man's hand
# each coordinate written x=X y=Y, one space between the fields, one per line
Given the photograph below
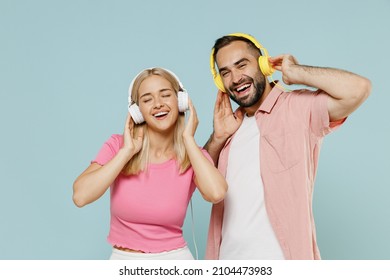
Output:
x=346 y=90
x=225 y=124
x=285 y=63
x=225 y=121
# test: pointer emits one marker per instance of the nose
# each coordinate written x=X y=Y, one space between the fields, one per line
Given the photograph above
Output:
x=158 y=102
x=236 y=76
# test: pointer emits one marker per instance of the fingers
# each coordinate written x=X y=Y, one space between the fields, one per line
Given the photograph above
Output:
x=193 y=118
x=128 y=123
x=226 y=102
x=192 y=122
x=127 y=130
x=277 y=57
x=140 y=134
x=222 y=104
x=192 y=108
x=277 y=61
x=218 y=102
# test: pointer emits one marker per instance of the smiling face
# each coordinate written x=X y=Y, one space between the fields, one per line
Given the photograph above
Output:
x=158 y=103
x=241 y=75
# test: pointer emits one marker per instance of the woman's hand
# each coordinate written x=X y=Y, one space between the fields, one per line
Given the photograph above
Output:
x=207 y=178
x=192 y=123
x=132 y=144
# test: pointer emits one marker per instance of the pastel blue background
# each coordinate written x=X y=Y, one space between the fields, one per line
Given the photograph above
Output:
x=65 y=67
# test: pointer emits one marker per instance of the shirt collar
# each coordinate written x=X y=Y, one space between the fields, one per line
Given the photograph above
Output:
x=271 y=99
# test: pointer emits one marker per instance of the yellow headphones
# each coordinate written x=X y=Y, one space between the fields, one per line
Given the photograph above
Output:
x=264 y=64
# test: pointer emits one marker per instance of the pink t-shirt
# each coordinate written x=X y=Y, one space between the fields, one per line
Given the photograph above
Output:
x=148 y=209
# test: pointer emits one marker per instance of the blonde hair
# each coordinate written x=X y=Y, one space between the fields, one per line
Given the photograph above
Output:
x=139 y=161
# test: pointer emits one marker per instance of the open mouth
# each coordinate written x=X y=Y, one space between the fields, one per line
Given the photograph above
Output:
x=243 y=89
x=160 y=115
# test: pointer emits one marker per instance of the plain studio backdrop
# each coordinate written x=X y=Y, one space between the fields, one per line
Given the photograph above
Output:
x=65 y=67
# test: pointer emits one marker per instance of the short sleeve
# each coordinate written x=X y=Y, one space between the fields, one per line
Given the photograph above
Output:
x=319 y=116
x=109 y=149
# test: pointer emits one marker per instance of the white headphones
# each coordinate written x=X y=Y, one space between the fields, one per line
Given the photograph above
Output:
x=134 y=110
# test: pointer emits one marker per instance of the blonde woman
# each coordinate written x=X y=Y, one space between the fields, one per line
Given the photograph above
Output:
x=153 y=170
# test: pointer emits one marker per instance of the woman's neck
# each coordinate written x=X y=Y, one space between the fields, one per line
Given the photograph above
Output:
x=161 y=147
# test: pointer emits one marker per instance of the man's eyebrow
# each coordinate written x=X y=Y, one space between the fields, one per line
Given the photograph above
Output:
x=235 y=64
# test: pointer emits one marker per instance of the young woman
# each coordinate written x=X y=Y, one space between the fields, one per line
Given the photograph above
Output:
x=153 y=169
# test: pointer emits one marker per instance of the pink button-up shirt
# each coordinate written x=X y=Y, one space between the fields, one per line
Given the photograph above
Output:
x=292 y=126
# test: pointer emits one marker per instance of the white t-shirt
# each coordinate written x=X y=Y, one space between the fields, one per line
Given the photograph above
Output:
x=246 y=229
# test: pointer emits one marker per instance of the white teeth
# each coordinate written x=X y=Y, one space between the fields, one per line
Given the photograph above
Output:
x=160 y=114
x=243 y=87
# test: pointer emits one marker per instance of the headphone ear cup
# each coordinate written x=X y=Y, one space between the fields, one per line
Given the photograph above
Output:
x=265 y=66
x=218 y=82
x=182 y=98
x=136 y=114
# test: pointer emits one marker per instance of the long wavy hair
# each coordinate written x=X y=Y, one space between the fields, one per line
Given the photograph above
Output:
x=139 y=161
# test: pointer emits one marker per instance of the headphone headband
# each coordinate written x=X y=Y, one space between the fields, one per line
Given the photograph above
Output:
x=252 y=39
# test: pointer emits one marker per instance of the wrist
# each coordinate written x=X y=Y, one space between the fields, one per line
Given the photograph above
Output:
x=126 y=154
x=298 y=74
x=218 y=140
x=188 y=138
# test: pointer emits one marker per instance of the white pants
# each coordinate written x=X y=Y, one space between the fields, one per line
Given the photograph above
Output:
x=178 y=254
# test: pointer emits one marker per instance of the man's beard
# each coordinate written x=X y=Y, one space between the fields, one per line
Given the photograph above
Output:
x=251 y=100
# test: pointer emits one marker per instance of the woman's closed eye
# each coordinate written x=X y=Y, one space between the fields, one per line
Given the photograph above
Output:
x=146 y=100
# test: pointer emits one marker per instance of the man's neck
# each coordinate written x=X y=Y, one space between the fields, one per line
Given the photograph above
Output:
x=250 y=111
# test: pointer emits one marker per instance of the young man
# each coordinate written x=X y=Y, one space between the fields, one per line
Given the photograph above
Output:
x=268 y=149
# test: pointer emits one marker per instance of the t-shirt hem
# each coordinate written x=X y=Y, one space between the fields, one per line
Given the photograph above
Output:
x=146 y=249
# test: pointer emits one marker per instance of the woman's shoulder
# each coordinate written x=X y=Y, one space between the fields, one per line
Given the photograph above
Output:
x=115 y=141
x=116 y=138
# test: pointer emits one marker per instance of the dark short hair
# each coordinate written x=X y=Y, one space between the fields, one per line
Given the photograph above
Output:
x=228 y=39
